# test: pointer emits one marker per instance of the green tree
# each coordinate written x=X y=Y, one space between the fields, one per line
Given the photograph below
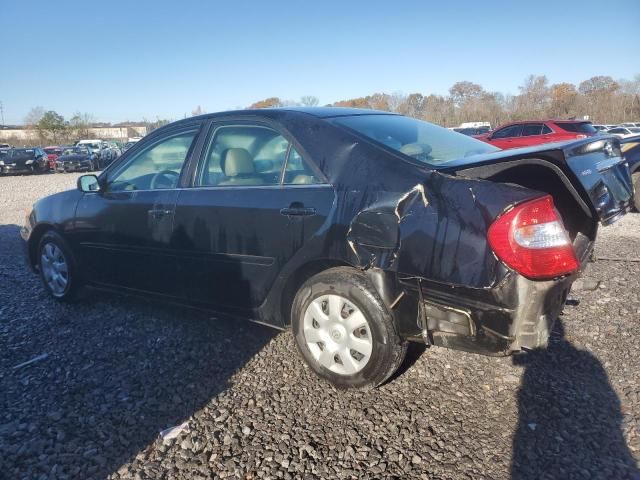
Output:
x=52 y=126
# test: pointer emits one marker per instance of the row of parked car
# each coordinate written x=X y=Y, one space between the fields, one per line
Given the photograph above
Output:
x=85 y=155
x=530 y=133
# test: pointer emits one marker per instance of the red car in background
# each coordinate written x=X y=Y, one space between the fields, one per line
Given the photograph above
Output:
x=525 y=134
x=53 y=152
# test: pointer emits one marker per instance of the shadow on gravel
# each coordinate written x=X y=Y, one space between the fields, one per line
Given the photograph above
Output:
x=118 y=371
x=570 y=423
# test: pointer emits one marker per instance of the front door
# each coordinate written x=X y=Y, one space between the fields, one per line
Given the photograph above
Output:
x=124 y=230
x=254 y=204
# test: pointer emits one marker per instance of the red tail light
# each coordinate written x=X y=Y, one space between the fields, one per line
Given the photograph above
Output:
x=531 y=239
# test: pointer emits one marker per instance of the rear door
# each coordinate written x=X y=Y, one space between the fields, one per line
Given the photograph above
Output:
x=254 y=204
x=531 y=134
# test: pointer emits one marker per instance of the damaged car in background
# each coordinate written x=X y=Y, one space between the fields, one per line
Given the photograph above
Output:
x=24 y=160
x=359 y=230
x=75 y=159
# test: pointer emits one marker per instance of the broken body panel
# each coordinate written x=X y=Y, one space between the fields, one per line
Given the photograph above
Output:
x=419 y=231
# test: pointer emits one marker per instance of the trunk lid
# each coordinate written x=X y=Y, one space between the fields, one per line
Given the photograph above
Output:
x=595 y=167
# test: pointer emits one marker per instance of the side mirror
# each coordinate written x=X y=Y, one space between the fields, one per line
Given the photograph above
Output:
x=88 y=184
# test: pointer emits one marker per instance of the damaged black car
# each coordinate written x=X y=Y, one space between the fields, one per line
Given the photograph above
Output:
x=359 y=230
x=76 y=159
x=24 y=160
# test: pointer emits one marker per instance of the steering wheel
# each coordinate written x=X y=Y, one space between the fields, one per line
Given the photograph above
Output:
x=163 y=179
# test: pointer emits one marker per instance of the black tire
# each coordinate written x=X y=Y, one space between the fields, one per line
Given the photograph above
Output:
x=74 y=282
x=388 y=349
x=636 y=195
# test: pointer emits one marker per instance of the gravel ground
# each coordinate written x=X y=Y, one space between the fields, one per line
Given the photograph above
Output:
x=118 y=371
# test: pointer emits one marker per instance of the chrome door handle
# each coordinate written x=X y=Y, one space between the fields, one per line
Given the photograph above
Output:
x=157 y=213
x=299 y=211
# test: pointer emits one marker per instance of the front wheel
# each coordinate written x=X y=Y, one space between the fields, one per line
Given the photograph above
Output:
x=344 y=331
x=58 y=268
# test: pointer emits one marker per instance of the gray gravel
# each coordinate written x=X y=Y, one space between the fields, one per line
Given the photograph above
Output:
x=118 y=371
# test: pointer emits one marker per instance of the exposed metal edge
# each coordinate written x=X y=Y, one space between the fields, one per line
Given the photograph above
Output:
x=499 y=335
x=466 y=313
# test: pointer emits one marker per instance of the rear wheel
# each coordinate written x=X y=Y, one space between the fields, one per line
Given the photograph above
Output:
x=343 y=330
x=58 y=267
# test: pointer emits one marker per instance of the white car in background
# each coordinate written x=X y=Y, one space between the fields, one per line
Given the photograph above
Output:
x=624 y=132
x=95 y=145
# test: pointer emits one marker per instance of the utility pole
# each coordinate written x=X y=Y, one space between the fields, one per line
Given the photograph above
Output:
x=1 y=113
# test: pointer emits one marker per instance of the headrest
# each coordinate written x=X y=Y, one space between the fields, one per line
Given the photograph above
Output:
x=237 y=161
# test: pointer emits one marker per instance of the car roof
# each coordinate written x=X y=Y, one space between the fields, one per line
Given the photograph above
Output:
x=519 y=122
x=318 y=112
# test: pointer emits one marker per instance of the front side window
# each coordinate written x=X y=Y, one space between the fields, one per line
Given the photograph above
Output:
x=508 y=132
x=423 y=141
x=156 y=167
x=251 y=155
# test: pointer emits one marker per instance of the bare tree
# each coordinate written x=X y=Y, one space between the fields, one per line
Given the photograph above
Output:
x=461 y=92
x=309 y=101
x=80 y=124
x=395 y=101
x=32 y=118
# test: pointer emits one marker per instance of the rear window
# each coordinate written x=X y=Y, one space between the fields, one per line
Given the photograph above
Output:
x=422 y=141
x=577 y=127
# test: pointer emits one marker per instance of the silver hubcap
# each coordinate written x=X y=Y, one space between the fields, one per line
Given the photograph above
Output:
x=337 y=334
x=54 y=269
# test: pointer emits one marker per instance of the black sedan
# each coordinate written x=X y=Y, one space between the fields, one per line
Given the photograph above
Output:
x=76 y=159
x=24 y=160
x=359 y=230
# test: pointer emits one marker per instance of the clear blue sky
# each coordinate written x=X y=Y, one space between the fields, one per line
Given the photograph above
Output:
x=125 y=60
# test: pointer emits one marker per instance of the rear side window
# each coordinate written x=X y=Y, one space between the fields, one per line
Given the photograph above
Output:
x=577 y=127
x=532 y=129
x=251 y=155
x=512 y=131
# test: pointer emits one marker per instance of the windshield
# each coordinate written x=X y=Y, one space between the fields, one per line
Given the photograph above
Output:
x=423 y=141
x=634 y=130
x=75 y=151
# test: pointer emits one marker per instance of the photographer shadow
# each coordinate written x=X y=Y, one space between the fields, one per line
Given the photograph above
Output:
x=570 y=419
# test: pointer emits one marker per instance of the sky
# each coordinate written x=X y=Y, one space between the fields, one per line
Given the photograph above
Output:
x=129 y=60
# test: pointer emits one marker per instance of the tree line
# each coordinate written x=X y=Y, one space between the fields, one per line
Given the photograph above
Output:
x=601 y=98
x=52 y=128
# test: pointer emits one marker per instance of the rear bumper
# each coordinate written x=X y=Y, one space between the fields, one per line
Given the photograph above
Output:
x=516 y=314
